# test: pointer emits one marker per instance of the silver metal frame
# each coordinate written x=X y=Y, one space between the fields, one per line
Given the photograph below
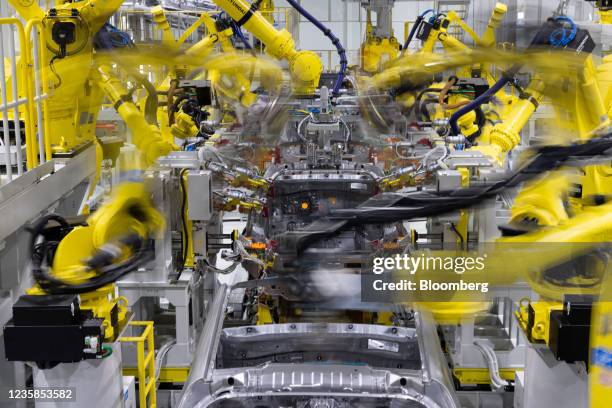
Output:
x=26 y=197
x=431 y=386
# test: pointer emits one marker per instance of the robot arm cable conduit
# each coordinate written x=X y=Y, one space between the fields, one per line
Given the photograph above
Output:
x=305 y=66
x=335 y=40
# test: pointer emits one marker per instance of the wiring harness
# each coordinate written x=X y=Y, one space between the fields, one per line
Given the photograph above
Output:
x=394 y=207
x=105 y=266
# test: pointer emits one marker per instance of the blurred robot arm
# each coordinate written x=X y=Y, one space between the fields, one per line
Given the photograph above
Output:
x=145 y=136
x=305 y=66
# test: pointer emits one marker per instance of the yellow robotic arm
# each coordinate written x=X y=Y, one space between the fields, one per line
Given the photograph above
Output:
x=91 y=13
x=541 y=201
x=305 y=66
x=233 y=84
x=230 y=83
x=90 y=258
x=488 y=38
x=145 y=136
x=159 y=18
x=439 y=31
x=545 y=201
x=216 y=35
x=28 y=10
x=94 y=12
x=69 y=28
x=380 y=45
x=499 y=139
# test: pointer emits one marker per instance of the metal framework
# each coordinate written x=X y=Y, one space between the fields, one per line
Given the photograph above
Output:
x=27 y=86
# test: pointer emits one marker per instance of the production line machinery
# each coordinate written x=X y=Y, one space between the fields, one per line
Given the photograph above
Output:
x=402 y=159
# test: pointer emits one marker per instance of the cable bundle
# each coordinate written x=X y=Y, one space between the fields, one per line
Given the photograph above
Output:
x=103 y=263
x=393 y=207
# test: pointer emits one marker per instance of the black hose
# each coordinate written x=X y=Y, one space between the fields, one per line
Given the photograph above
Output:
x=425 y=204
x=417 y=101
x=456 y=231
x=184 y=236
x=105 y=276
x=387 y=208
x=484 y=98
x=328 y=33
x=151 y=103
x=38 y=227
x=413 y=31
x=43 y=252
x=414 y=28
x=481 y=119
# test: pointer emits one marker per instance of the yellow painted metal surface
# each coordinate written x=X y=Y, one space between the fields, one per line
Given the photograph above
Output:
x=147 y=385
x=173 y=375
x=540 y=330
x=305 y=66
x=481 y=375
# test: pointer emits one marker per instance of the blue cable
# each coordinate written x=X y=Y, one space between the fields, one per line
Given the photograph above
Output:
x=423 y=14
x=109 y=37
x=238 y=32
x=560 y=37
x=415 y=27
x=484 y=98
x=327 y=32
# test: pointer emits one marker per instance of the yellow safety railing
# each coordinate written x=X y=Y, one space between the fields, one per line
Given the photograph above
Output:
x=19 y=76
x=175 y=375
x=28 y=84
x=146 y=363
x=41 y=82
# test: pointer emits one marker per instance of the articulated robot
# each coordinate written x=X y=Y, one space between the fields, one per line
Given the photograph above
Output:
x=565 y=206
x=91 y=257
x=85 y=258
x=305 y=66
x=326 y=193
